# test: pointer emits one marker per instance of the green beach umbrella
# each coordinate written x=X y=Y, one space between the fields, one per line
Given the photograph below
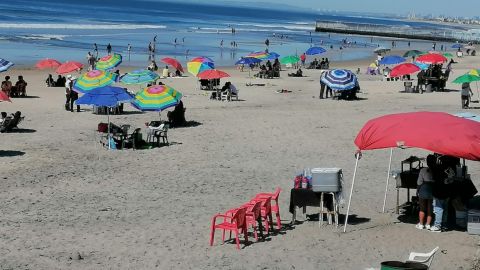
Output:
x=291 y=59
x=449 y=55
x=413 y=53
x=466 y=78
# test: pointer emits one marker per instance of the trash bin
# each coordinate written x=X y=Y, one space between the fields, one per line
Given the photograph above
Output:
x=395 y=265
x=429 y=88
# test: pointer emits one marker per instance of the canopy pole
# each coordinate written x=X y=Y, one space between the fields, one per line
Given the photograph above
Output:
x=351 y=192
x=388 y=178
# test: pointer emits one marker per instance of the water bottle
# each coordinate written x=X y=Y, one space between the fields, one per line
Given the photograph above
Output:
x=306 y=173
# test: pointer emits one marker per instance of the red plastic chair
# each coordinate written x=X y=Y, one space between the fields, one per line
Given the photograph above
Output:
x=276 y=207
x=265 y=211
x=237 y=223
x=253 y=215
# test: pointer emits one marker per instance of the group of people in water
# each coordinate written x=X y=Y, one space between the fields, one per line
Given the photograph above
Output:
x=17 y=90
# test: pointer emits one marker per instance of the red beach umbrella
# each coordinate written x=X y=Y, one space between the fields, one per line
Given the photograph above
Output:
x=431 y=58
x=172 y=62
x=68 y=67
x=47 y=63
x=404 y=69
x=4 y=97
x=212 y=74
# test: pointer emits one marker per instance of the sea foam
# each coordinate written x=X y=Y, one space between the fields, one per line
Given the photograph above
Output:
x=80 y=26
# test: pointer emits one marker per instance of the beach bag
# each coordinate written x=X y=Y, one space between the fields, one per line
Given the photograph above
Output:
x=102 y=127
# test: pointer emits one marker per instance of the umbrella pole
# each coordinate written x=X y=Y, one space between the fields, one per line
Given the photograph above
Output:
x=108 y=120
x=388 y=178
x=351 y=192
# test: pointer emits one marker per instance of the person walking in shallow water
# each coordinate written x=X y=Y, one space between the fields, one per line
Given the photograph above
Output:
x=109 y=49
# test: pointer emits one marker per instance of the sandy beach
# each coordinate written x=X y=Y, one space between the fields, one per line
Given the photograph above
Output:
x=63 y=194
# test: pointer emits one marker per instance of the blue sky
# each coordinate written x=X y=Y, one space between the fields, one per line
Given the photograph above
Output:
x=463 y=8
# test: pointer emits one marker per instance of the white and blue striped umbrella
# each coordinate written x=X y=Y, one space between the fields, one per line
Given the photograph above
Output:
x=339 y=79
x=5 y=65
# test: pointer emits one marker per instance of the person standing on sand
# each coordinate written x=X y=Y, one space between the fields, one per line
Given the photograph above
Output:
x=91 y=61
x=95 y=49
x=465 y=94
x=425 y=188
x=322 y=88
x=129 y=49
x=68 y=89
x=109 y=49
x=303 y=57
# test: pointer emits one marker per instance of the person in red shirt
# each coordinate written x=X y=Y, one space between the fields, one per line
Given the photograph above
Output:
x=303 y=57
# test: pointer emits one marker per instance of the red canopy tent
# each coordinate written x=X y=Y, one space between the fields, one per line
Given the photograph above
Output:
x=434 y=131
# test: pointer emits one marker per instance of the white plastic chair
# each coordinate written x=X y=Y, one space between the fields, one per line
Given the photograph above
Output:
x=425 y=258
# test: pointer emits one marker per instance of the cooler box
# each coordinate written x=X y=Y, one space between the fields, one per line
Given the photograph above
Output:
x=473 y=222
x=326 y=179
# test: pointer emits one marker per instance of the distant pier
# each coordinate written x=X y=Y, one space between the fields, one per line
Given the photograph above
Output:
x=404 y=32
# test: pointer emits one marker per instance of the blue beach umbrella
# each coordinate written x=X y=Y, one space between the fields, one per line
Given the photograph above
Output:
x=339 y=79
x=108 y=96
x=392 y=60
x=457 y=46
x=422 y=66
x=248 y=61
x=5 y=65
x=315 y=50
x=273 y=56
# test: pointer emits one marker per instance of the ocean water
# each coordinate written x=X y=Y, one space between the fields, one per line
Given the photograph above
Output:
x=34 y=29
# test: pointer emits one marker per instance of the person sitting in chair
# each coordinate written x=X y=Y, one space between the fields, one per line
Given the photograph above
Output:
x=21 y=87
x=10 y=123
x=153 y=66
x=3 y=117
x=165 y=72
x=50 y=81
x=178 y=73
x=7 y=86
x=176 y=117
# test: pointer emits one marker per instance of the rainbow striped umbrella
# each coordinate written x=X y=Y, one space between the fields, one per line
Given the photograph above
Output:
x=109 y=62
x=264 y=55
x=94 y=79
x=156 y=98
x=139 y=76
x=199 y=64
